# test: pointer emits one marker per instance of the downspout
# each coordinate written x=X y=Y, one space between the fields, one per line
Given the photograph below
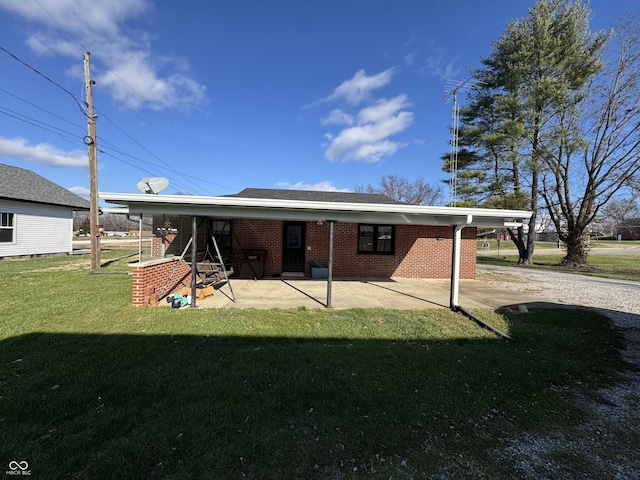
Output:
x=455 y=262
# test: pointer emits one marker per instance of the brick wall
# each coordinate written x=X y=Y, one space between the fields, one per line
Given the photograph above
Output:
x=149 y=279
x=254 y=235
x=420 y=252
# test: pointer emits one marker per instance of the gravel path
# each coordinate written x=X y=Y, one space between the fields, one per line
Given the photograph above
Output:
x=608 y=445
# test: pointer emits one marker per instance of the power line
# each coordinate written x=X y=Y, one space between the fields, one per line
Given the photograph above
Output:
x=37 y=123
x=166 y=165
x=82 y=107
x=39 y=108
x=110 y=146
x=15 y=57
x=135 y=92
x=61 y=26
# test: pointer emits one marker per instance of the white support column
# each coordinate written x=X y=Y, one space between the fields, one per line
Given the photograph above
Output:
x=455 y=262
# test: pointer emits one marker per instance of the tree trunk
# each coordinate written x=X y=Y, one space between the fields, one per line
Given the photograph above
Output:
x=518 y=240
x=577 y=247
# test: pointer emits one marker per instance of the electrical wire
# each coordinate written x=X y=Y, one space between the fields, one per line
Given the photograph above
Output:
x=35 y=70
x=37 y=123
x=82 y=106
x=40 y=108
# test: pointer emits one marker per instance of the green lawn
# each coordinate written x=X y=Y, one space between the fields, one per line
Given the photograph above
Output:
x=93 y=388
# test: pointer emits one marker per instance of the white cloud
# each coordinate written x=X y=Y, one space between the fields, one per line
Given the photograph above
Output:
x=83 y=191
x=126 y=64
x=368 y=141
x=359 y=88
x=324 y=186
x=42 y=153
x=338 y=117
x=438 y=66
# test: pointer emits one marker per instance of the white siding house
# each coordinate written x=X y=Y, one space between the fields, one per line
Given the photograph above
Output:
x=36 y=215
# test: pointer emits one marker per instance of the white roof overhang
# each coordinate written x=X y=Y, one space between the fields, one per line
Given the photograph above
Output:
x=266 y=208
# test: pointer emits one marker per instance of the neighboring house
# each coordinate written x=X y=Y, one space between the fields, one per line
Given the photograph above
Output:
x=36 y=215
x=356 y=235
x=629 y=230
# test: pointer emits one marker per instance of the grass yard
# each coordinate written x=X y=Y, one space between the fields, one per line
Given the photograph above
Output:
x=93 y=388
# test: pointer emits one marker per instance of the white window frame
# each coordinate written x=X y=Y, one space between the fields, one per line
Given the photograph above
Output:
x=7 y=223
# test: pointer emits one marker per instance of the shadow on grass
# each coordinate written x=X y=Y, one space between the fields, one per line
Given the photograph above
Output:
x=189 y=406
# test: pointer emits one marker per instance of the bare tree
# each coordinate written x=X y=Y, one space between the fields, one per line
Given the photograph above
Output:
x=592 y=158
x=616 y=216
x=401 y=189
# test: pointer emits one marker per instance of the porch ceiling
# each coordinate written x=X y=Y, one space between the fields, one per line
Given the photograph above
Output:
x=238 y=207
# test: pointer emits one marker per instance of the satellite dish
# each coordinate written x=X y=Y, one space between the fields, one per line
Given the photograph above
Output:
x=153 y=185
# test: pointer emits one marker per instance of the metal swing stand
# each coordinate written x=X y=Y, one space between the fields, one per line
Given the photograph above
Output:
x=209 y=272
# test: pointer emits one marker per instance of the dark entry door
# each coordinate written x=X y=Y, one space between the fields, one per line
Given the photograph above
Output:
x=293 y=247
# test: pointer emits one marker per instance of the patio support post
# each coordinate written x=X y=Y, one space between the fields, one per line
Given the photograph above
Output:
x=330 y=266
x=455 y=262
x=140 y=239
x=194 y=260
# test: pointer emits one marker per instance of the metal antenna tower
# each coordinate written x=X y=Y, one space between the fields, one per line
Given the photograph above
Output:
x=452 y=92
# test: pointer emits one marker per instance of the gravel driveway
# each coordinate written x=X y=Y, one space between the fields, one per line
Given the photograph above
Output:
x=609 y=443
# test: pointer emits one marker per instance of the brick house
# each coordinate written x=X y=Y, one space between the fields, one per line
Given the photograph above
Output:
x=283 y=231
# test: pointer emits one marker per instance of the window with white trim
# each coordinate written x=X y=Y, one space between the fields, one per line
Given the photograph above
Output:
x=6 y=227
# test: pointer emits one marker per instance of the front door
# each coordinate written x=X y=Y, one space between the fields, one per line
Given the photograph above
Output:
x=293 y=247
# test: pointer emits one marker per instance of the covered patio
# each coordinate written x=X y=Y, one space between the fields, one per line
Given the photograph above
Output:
x=331 y=213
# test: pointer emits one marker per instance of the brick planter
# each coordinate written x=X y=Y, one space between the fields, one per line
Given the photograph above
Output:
x=150 y=279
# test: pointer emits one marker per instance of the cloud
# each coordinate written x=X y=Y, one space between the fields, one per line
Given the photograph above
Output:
x=439 y=66
x=126 y=65
x=338 y=117
x=324 y=186
x=83 y=191
x=42 y=153
x=368 y=140
x=359 y=88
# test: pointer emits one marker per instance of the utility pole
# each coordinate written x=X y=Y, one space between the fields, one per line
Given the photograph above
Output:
x=90 y=141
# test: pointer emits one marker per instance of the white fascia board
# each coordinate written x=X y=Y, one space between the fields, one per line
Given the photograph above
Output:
x=240 y=207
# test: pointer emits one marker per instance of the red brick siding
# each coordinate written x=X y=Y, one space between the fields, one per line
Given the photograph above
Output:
x=420 y=252
x=148 y=281
x=250 y=234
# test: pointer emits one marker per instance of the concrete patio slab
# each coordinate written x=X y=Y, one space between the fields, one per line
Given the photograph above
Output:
x=396 y=293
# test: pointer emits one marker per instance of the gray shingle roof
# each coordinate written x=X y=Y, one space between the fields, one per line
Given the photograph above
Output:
x=314 y=196
x=25 y=186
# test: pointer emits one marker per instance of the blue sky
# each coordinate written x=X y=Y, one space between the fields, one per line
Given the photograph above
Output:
x=219 y=96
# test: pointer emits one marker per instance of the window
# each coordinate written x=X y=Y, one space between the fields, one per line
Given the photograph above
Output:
x=221 y=230
x=375 y=239
x=6 y=227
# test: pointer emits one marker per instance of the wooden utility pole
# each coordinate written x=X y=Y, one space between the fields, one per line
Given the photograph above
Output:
x=90 y=141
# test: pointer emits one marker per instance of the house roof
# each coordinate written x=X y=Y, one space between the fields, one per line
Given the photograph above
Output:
x=25 y=186
x=314 y=196
x=235 y=206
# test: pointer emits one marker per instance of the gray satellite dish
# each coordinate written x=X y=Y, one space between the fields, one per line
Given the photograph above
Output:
x=152 y=185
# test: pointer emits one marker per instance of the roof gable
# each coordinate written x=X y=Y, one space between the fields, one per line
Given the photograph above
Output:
x=314 y=196
x=26 y=186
